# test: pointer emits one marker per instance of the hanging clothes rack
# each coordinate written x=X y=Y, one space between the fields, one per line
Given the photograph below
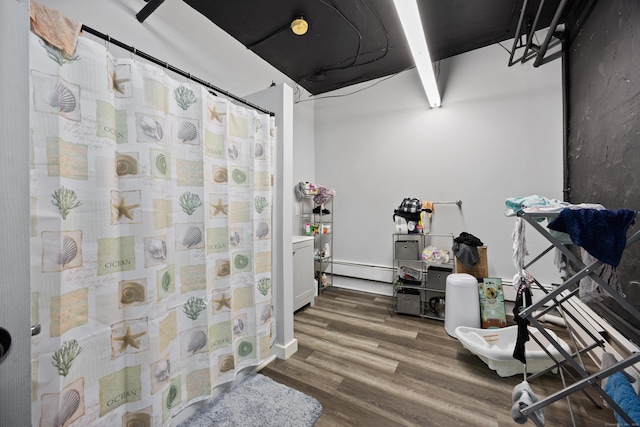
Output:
x=213 y=89
x=562 y=295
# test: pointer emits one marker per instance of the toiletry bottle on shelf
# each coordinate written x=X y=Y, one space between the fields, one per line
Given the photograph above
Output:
x=327 y=250
x=324 y=280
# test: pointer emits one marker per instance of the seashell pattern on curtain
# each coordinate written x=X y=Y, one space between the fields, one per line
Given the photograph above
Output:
x=151 y=205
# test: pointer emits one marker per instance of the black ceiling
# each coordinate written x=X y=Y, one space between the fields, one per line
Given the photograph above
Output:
x=353 y=41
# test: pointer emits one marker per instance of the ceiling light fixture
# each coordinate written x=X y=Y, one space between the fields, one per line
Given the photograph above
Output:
x=299 y=26
x=412 y=26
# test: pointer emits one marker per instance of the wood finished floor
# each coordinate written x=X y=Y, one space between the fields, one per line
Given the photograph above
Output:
x=370 y=368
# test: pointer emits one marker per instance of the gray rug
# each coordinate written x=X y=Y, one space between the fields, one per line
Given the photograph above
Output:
x=256 y=400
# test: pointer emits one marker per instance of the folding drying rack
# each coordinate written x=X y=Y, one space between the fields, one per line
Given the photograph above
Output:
x=555 y=299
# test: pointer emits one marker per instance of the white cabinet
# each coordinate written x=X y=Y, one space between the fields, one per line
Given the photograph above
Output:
x=303 y=286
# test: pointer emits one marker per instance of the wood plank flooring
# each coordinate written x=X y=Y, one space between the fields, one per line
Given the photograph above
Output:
x=368 y=367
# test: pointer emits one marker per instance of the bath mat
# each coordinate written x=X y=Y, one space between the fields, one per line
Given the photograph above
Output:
x=256 y=400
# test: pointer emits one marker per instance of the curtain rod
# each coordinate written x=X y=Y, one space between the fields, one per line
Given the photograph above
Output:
x=170 y=67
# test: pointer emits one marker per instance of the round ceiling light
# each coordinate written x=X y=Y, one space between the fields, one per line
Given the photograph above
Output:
x=299 y=26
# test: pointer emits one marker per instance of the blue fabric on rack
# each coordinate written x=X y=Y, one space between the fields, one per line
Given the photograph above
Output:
x=601 y=232
x=622 y=392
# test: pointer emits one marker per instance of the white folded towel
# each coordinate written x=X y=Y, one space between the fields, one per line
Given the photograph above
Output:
x=522 y=397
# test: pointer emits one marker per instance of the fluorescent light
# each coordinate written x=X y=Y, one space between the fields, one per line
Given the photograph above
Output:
x=412 y=26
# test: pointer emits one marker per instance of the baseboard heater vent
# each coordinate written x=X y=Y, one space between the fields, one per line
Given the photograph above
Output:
x=377 y=273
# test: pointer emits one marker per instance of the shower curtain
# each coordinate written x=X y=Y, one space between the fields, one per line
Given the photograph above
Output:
x=151 y=206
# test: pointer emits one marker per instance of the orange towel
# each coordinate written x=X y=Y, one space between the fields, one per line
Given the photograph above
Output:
x=54 y=27
x=428 y=205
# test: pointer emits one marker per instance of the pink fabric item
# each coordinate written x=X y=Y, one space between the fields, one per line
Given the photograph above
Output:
x=54 y=27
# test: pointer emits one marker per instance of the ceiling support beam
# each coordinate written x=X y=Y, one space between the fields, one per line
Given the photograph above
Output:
x=150 y=7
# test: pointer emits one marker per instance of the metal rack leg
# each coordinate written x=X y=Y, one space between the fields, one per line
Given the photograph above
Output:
x=592 y=381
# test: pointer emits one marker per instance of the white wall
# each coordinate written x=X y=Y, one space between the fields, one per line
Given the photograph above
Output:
x=15 y=364
x=279 y=99
x=303 y=152
x=498 y=134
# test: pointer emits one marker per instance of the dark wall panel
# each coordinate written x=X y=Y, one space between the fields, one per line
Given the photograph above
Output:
x=603 y=134
x=604 y=99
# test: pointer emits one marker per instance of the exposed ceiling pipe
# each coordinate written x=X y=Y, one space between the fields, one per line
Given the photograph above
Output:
x=550 y=33
x=151 y=6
